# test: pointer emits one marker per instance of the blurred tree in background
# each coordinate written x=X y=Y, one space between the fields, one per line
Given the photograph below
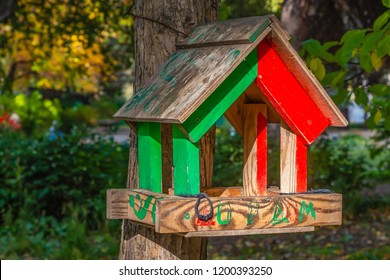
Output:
x=64 y=46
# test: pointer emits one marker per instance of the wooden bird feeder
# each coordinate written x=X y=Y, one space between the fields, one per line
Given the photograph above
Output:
x=247 y=70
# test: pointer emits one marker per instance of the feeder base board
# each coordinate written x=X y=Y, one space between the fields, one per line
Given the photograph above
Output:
x=272 y=213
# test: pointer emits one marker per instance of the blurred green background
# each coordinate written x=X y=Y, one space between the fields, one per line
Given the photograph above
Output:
x=67 y=66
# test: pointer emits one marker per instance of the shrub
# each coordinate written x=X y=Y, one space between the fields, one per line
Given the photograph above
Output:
x=56 y=188
x=345 y=165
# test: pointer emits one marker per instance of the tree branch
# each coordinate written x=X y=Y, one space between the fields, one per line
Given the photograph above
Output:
x=354 y=76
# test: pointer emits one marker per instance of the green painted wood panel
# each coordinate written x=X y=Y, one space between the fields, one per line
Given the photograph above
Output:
x=222 y=98
x=149 y=156
x=186 y=175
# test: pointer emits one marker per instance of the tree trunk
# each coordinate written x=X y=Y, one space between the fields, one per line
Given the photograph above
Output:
x=155 y=42
x=327 y=20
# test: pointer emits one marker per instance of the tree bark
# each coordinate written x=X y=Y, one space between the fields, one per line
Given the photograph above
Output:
x=154 y=44
x=327 y=20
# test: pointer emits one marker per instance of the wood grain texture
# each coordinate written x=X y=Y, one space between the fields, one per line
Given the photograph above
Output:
x=286 y=95
x=306 y=78
x=254 y=95
x=255 y=149
x=293 y=162
x=235 y=114
x=234 y=31
x=134 y=204
x=186 y=80
x=240 y=232
x=223 y=191
x=176 y=214
x=288 y=153
x=149 y=156
x=222 y=98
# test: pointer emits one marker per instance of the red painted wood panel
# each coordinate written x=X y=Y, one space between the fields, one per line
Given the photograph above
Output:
x=301 y=164
x=287 y=95
x=261 y=156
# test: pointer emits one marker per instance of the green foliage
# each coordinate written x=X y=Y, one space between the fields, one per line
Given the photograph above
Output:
x=359 y=52
x=67 y=46
x=62 y=181
x=35 y=113
x=347 y=165
x=236 y=9
x=228 y=158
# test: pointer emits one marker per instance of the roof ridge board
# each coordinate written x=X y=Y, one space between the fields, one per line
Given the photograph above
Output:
x=213 y=44
x=242 y=30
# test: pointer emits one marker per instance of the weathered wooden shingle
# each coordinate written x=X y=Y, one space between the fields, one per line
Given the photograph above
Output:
x=185 y=82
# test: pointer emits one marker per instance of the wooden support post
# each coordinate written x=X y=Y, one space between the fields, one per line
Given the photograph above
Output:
x=255 y=149
x=186 y=175
x=293 y=162
x=150 y=156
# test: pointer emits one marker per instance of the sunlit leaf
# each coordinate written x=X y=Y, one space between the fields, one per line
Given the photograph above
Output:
x=376 y=61
x=313 y=64
x=381 y=20
x=377 y=117
x=338 y=78
x=320 y=72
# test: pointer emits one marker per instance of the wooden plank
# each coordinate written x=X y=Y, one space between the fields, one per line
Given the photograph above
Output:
x=223 y=191
x=239 y=213
x=235 y=31
x=222 y=98
x=293 y=162
x=301 y=163
x=235 y=114
x=149 y=156
x=254 y=94
x=186 y=80
x=134 y=204
x=286 y=94
x=248 y=232
x=305 y=77
x=255 y=149
x=288 y=168
x=186 y=162
x=132 y=125
x=176 y=214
